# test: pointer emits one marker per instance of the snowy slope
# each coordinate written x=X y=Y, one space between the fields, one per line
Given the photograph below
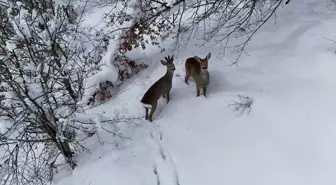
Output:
x=287 y=139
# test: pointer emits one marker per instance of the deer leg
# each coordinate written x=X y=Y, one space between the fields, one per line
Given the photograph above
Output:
x=168 y=97
x=164 y=95
x=152 y=111
x=198 y=91
x=187 y=78
x=146 y=109
x=204 y=91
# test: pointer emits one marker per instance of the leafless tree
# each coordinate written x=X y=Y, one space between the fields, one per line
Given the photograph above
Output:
x=220 y=20
x=45 y=55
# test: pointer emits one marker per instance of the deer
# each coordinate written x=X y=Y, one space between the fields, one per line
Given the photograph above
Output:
x=197 y=68
x=161 y=88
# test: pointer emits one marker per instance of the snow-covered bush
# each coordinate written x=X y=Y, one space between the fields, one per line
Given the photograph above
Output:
x=128 y=22
x=45 y=57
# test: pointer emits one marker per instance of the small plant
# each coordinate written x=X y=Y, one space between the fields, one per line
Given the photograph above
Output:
x=243 y=104
x=103 y=92
x=127 y=68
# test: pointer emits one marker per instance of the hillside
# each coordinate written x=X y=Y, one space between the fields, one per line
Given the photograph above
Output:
x=288 y=138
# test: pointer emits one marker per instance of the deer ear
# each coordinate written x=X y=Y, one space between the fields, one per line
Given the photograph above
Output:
x=198 y=59
x=163 y=62
x=208 y=56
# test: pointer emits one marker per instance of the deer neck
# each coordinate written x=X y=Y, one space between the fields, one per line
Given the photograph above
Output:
x=169 y=74
x=204 y=74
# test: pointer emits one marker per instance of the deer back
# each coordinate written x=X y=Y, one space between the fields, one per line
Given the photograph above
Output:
x=197 y=68
x=192 y=67
x=156 y=91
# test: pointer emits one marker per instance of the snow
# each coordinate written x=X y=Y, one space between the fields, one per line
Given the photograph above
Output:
x=10 y=46
x=287 y=138
x=20 y=24
x=4 y=126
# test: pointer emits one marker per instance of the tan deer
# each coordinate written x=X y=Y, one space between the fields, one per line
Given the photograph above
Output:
x=197 y=68
x=160 y=88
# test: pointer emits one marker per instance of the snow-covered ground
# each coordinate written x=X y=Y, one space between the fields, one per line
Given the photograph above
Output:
x=287 y=139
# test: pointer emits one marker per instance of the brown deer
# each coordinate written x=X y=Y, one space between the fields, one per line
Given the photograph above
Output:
x=160 y=88
x=197 y=68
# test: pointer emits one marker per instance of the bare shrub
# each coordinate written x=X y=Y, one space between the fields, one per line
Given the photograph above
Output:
x=242 y=105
